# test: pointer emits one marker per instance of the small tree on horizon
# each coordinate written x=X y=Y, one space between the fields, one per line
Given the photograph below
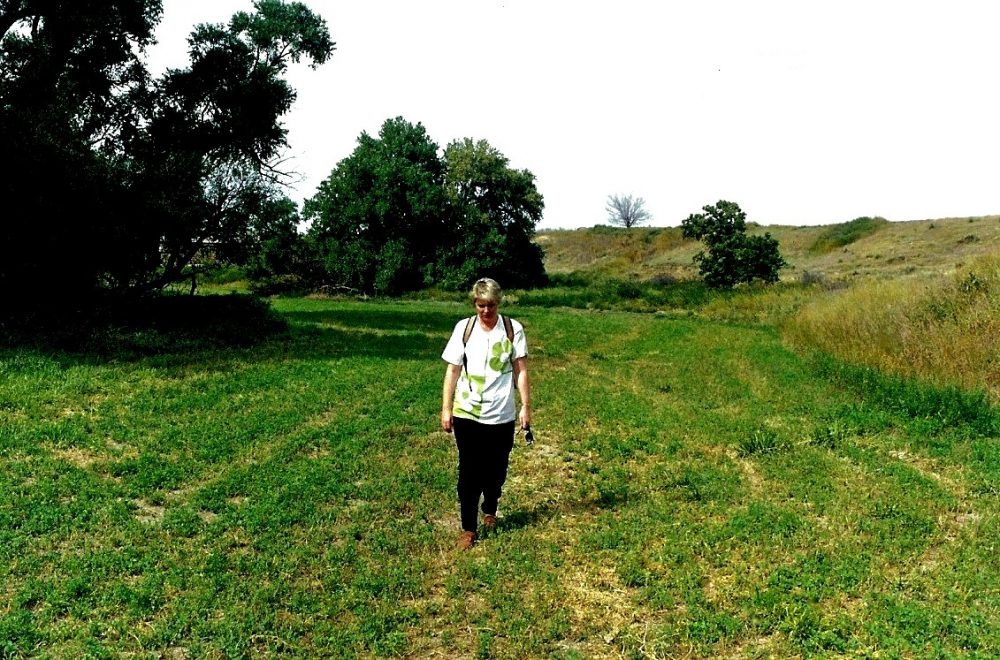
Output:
x=627 y=211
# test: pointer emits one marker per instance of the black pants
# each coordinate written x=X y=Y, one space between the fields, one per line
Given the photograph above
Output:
x=483 y=455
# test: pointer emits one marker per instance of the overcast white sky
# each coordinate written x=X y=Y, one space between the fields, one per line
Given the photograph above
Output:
x=802 y=112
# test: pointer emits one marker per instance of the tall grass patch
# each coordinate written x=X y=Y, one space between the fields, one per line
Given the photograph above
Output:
x=845 y=233
x=944 y=330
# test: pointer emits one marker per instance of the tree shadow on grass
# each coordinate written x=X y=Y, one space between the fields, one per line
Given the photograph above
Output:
x=215 y=330
x=399 y=320
x=329 y=343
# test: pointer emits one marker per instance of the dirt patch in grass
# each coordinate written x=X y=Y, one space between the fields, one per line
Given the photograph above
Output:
x=81 y=457
x=148 y=514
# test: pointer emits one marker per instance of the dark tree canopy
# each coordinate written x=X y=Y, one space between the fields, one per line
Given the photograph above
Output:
x=732 y=256
x=115 y=180
x=67 y=69
x=214 y=131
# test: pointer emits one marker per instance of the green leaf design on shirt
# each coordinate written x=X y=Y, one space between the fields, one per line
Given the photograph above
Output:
x=500 y=350
x=470 y=400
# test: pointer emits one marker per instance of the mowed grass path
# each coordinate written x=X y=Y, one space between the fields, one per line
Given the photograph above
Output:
x=695 y=489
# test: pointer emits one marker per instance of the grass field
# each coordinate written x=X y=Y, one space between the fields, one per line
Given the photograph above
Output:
x=695 y=489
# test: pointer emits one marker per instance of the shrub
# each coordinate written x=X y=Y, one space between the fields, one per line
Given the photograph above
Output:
x=732 y=257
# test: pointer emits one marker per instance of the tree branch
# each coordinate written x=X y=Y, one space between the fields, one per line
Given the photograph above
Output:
x=12 y=16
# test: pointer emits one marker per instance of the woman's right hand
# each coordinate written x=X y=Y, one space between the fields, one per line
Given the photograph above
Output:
x=447 y=420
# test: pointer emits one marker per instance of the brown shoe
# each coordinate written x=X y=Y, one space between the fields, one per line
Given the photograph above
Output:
x=466 y=540
x=489 y=521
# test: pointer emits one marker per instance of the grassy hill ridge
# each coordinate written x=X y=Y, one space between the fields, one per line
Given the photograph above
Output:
x=891 y=249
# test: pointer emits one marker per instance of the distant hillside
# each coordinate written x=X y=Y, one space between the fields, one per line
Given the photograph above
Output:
x=835 y=252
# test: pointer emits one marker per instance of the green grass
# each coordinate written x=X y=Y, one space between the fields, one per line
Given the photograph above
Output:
x=845 y=233
x=695 y=488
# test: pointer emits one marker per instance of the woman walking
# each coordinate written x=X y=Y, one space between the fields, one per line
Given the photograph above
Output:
x=487 y=356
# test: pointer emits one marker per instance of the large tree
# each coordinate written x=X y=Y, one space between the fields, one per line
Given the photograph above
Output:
x=131 y=177
x=215 y=133
x=67 y=69
x=496 y=209
x=381 y=214
x=733 y=257
x=396 y=216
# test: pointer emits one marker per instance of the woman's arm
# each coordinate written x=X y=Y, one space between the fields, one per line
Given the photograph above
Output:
x=524 y=389
x=451 y=374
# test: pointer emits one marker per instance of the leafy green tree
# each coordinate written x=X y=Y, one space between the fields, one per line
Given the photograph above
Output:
x=276 y=255
x=395 y=216
x=214 y=132
x=732 y=256
x=379 y=217
x=495 y=210
x=132 y=177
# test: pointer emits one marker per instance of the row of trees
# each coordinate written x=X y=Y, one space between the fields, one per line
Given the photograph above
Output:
x=115 y=180
x=394 y=217
x=399 y=214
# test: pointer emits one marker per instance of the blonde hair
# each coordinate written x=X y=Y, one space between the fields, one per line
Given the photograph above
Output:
x=486 y=289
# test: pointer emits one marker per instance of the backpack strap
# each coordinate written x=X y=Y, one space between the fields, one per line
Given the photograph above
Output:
x=469 y=325
x=508 y=325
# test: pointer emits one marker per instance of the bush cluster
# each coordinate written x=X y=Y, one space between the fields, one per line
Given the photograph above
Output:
x=845 y=233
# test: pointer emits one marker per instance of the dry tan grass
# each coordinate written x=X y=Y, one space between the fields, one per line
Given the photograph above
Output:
x=944 y=330
x=898 y=248
x=147 y=513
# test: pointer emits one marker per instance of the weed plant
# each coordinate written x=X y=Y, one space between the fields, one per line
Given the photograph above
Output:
x=695 y=489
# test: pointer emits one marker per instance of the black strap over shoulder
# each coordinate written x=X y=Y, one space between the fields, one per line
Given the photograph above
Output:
x=470 y=324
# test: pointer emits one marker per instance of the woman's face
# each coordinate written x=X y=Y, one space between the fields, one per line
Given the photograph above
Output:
x=486 y=310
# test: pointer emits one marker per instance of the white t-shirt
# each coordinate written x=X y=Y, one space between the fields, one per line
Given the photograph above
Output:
x=485 y=392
